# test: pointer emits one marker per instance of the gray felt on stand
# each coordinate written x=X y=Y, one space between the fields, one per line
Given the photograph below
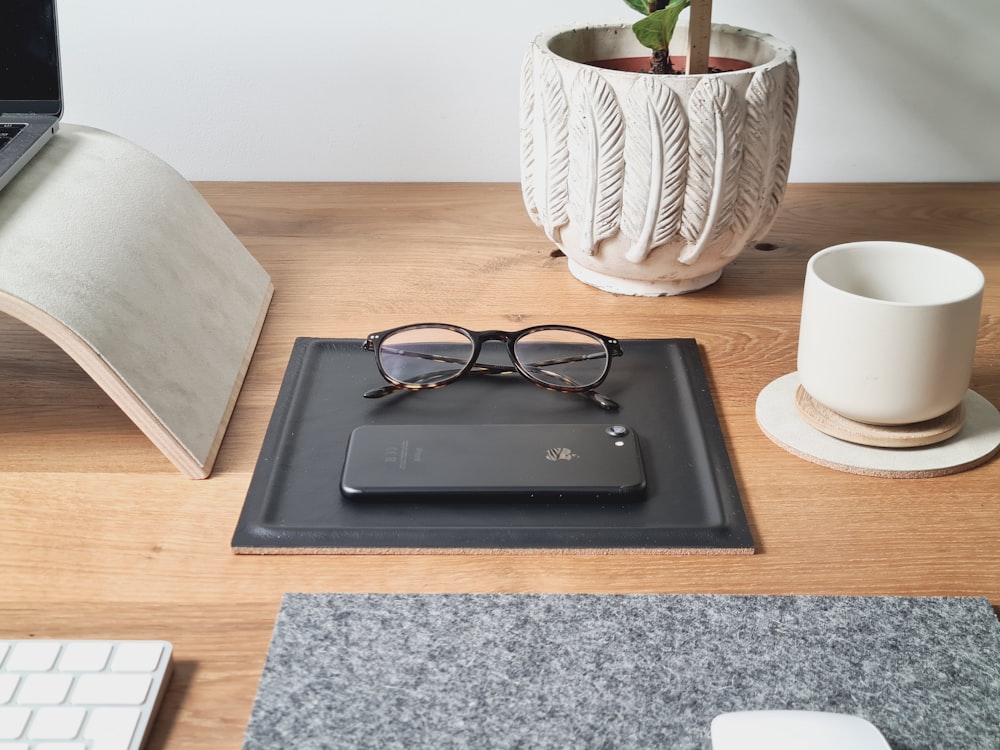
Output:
x=619 y=671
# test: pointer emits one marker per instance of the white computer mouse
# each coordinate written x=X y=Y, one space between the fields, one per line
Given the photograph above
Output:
x=794 y=730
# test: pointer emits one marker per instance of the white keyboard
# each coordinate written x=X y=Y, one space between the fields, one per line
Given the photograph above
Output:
x=80 y=695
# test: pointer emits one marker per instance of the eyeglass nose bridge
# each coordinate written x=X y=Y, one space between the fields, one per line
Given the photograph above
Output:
x=509 y=339
x=479 y=338
x=505 y=337
x=494 y=335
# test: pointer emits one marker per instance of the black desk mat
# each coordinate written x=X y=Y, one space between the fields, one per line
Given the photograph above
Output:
x=558 y=671
x=293 y=503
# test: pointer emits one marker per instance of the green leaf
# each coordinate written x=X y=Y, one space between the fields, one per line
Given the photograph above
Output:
x=657 y=29
x=639 y=5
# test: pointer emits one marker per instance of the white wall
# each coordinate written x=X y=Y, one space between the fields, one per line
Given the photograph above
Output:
x=428 y=89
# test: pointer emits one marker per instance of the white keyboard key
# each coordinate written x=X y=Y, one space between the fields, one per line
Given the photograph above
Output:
x=111 y=689
x=85 y=656
x=137 y=657
x=56 y=723
x=32 y=656
x=112 y=728
x=8 y=684
x=67 y=695
x=13 y=720
x=44 y=687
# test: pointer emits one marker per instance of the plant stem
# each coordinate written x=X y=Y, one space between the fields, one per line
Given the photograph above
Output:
x=660 y=62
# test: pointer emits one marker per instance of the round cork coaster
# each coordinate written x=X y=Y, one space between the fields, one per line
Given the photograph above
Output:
x=975 y=443
x=913 y=435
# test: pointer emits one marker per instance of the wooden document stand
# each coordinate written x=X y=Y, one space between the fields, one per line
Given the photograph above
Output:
x=114 y=256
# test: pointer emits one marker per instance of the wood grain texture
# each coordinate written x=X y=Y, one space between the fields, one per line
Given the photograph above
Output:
x=111 y=254
x=699 y=37
x=827 y=421
x=102 y=537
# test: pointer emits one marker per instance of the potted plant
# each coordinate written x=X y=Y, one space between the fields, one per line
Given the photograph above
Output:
x=656 y=30
x=651 y=184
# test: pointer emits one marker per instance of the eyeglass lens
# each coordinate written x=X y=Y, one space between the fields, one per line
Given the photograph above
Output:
x=562 y=359
x=425 y=356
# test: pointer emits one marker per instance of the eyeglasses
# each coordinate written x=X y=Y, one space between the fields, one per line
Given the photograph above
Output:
x=429 y=355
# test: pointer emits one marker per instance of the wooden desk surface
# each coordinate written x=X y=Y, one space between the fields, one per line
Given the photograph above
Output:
x=103 y=538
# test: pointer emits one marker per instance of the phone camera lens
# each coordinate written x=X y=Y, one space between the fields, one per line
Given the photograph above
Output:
x=617 y=430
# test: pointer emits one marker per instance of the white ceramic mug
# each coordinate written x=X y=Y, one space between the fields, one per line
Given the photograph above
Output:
x=888 y=330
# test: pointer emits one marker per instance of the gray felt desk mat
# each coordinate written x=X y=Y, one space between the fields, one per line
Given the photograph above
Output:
x=619 y=671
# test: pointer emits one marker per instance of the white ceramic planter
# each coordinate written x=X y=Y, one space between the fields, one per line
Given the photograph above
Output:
x=652 y=184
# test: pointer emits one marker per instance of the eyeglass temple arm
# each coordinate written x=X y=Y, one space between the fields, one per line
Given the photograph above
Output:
x=574 y=358
x=458 y=361
x=477 y=369
x=600 y=399
x=486 y=369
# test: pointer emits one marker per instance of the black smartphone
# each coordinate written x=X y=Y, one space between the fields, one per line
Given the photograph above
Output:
x=516 y=461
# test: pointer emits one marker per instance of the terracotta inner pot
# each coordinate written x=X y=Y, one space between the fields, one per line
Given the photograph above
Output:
x=641 y=64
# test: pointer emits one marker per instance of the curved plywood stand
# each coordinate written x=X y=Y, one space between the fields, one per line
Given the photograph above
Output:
x=109 y=252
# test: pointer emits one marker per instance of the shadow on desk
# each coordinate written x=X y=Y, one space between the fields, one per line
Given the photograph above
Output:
x=181 y=678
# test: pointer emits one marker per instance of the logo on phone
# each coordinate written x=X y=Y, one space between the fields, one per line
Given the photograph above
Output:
x=560 y=454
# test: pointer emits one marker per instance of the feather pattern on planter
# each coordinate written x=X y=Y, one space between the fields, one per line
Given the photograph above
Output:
x=715 y=155
x=759 y=145
x=642 y=212
x=527 y=122
x=783 y=155
x=656 y=157
x=597 y=144
x=555 y=126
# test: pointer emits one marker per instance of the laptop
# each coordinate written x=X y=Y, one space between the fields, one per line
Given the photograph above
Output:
x=30 y=85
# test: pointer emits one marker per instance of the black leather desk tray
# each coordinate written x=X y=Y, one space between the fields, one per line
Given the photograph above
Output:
x=294 y=503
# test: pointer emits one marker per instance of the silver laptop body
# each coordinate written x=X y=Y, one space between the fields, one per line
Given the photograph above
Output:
x=30 y=82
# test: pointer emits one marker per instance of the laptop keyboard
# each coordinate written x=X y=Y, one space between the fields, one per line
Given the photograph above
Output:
x=80 y=695
x=8 y=130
